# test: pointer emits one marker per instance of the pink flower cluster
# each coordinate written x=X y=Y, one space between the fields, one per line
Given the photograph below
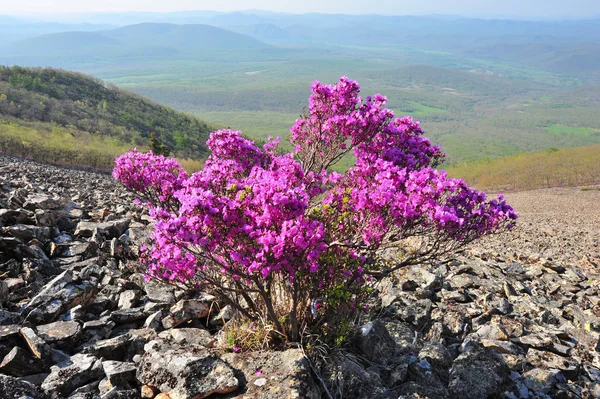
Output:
x=155 y=177
x=251 y=213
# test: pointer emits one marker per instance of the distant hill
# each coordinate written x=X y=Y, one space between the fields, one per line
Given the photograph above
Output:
x=74 y=103
x=139 y=39
x=265 y=32
x=67 y=42
x=195 y=35
x=572 y=59
x=13 y=30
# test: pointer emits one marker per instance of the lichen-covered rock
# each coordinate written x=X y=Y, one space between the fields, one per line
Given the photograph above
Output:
x=375 y=342
x=19 y=363
x=185 y=372
x=478 y=374
x=13 y=388
x=59 y=295
x=185 y=310
x=109 y=230
x=274 y=375
x=63 y=333
x=69 y=375
x=119 y=374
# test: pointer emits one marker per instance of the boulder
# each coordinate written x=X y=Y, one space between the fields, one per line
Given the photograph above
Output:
x=19 y=363
x=185 y=372
x=119 y=374
x=59 y=295
x=183 y=311
x=375 y=342
x=478 y=373
x=108 y=230
x=273 y=375
x=67 y=376
x=62 y=333
x=11 y=387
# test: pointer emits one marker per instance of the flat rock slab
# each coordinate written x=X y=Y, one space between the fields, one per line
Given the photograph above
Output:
x=274 y=375
x=124 y=316
x=119 y=373
x=193 y=336
x=110 y=230
x=110 y=349
x=185 y=310
x=59 y=331
x=20 y=363
x=67 y=376
x=38 y=347
x=185 y=372
x=9 y=331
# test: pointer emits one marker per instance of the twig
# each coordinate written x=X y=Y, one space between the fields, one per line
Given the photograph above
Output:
x=315 y=372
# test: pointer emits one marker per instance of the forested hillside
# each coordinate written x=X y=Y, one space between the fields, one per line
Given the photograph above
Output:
x=61 y=104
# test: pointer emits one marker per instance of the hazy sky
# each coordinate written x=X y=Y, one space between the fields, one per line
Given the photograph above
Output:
x=504 y=8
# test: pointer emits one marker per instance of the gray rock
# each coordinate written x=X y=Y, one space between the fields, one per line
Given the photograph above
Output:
x=27 y=232
x=20 y=363
x=505 y=347
x=128 y=315
x=543 y=359
x=185 y=372
x=494 y=332
x=436 y=354
x=119 y=374
x=154 y=321
x=403 y=335
x=194 y=336
x=110 y=349
x=67 y=376
x=4 y=292
x=185 y=310
x=40 y=201
x=9 y=331
x=375 y=342
x=38 y=347
x=283 y=374
x=538 y=380
x=224 y=315
x=85 y=250
x=59 y=295
x=129 y=299
x=64 y=333
x=478 y=374
x=13 y=388
x=138 y=338
x=109 y=230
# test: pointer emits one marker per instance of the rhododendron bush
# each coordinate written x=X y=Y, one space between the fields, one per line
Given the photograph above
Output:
x=283 y=237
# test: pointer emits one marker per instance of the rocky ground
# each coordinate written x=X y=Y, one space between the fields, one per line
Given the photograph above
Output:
x=512 y=317
x=559 y=224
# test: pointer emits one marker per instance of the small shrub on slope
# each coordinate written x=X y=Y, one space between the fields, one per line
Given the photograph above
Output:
x=281 y=236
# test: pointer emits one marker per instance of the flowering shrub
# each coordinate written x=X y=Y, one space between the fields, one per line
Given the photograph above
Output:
x=281 y=236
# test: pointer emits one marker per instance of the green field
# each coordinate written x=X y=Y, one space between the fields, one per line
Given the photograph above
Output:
x=474 y=108
x=562 y=129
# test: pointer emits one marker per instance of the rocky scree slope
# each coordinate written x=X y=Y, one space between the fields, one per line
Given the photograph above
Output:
x=77 y=322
